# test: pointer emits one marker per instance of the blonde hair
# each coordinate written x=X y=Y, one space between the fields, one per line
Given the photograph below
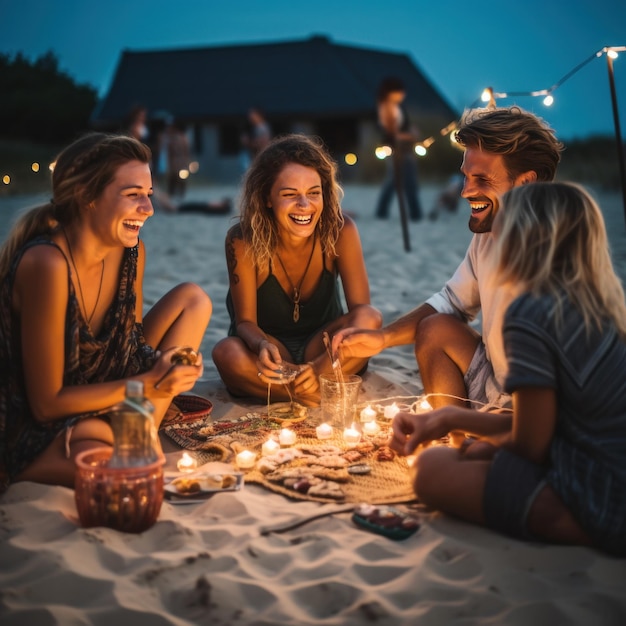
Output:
x=258 y=225
x=552 y=239
x=525 y=142
x=81 y=173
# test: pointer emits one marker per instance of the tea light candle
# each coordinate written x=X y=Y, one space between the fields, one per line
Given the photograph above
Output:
x=371 y=428
x=368 y=414
x=186 y=463
x=246 y=459
x=287 y=437
x=391 y=411
x=324 y=431
x=269 y=447
x=424 y=405
x=351 y=436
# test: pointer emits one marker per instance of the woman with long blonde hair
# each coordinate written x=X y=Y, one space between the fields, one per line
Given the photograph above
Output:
x=554 y=469
x=285 y=256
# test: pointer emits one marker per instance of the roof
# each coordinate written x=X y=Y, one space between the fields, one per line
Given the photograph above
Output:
x=310 y=78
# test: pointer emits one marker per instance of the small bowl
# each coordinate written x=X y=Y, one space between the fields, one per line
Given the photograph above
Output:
x=124 y=498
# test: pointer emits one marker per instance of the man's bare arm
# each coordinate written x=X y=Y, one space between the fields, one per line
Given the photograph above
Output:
x=356 y=342
x=402 y=331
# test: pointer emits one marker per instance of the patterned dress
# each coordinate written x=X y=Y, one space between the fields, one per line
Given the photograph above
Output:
x=117 y=352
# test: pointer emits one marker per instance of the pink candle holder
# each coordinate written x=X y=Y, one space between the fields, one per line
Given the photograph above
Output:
x=124 y=498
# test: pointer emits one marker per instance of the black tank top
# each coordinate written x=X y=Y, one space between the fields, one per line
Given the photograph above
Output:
x=275 y=308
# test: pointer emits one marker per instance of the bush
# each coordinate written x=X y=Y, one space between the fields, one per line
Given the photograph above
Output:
x=43 y=104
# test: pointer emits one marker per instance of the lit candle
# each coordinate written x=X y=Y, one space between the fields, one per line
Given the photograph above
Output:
x=351 y=436
x=391 y=410
x=324 y=431
x=424 y=405
x=186 y=463
x=287 y=437
x=371 y=428
x=368 y=414
x=269 y=447
x=246 y=459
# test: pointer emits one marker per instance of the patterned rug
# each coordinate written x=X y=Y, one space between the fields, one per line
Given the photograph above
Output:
x=388 y=481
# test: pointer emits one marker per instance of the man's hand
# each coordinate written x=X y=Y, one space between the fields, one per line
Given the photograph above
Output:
x=359 y=343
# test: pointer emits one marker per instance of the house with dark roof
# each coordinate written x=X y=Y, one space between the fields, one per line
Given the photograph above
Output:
x=314 y=86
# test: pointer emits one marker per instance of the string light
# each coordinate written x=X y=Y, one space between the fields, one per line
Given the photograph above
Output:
x=488 y=97
x=382 y=152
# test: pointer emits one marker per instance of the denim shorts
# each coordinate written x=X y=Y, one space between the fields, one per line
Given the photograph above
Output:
x=511 y=488
x=483 y=390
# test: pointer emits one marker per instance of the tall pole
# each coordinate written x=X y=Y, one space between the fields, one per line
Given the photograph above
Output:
x=618 y=133
x=398 y=177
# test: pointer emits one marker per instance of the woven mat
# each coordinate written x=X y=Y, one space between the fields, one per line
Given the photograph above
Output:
x=221 y=440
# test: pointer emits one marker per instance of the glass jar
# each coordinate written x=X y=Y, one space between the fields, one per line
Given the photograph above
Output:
x=128 y=499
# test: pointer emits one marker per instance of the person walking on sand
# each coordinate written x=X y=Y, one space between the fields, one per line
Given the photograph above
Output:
x=284 y=258
x=504 y=148
x=554 y=470
x=71 y=304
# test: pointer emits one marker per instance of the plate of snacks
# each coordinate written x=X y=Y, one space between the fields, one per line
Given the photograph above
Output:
x=203 y=485
x=287 y=412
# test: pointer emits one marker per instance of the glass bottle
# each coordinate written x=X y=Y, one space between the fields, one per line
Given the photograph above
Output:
x=135 y=441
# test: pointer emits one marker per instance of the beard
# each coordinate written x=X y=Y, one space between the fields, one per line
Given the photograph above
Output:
x=481 y=225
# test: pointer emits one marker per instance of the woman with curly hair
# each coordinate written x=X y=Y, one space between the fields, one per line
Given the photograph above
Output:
x=284 y=257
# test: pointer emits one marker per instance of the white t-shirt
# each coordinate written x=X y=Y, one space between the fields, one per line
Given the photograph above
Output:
x=474 y=288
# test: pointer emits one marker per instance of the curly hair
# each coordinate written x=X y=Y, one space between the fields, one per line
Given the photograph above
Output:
x=259 y=229
x=552 y=239
x=524 y=140
x=81 y=173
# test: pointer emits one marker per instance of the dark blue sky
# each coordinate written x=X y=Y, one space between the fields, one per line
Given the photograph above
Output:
x=461 y=47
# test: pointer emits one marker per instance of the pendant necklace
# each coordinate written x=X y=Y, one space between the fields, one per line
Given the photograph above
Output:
x=80 y=287
x=296 y=290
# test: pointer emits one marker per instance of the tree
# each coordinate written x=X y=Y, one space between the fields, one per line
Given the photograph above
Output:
x=41 y=103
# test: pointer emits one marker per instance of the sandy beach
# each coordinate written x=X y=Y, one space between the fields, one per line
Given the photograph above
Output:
x=213 y=563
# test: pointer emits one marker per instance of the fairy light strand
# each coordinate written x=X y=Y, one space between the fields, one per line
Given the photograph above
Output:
x=421 y=147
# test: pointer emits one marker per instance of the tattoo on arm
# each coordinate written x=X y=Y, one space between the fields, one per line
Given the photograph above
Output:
x=231 y=258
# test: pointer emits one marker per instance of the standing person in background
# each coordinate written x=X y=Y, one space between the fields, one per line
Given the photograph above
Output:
x=401 y=136
x=556 y=469
x=71 y=304
x=178 y=159
x=258 y=135
x=136 y=125
x=284 y=258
